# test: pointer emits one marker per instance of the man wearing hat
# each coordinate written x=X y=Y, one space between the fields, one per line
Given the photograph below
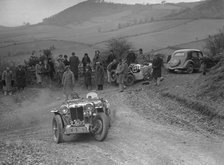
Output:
x=74 y=65
x=68 y=82
x=157 y=68
x=131 y=57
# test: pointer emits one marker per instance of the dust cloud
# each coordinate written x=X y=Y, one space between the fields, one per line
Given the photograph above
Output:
x=30 y=112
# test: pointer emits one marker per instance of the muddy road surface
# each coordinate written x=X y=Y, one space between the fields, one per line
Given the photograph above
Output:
x=26 y=138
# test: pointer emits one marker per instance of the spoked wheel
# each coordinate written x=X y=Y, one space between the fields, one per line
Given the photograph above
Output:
x=130 y=79
x=57 y=129
x=101 y=126
x=113 y=76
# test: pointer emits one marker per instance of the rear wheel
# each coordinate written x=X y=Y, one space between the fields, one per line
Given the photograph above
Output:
x=130 y=79
x=57 y=127
x=100 y=126
x=190 y=68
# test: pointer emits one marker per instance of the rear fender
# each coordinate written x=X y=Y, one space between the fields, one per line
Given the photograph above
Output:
x=188 y=62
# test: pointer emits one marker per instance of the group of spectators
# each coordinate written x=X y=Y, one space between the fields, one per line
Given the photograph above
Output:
x=65 y=71
x=13 y=76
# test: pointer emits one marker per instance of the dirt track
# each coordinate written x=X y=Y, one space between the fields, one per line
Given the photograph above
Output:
x=133 y=139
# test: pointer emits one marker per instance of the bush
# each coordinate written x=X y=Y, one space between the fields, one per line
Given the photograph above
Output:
x=119 y=46
x=215 y=44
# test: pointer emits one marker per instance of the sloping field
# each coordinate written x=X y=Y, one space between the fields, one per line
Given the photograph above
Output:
x=192 y=31
x=22 y=51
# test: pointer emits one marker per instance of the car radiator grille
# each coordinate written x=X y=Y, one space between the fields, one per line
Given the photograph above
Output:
x=77 y=113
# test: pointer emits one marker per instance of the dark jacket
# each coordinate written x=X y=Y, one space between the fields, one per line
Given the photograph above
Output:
x=99 y=75
x=74 y=64
x=131 y=57
x=20 y=78
x=157 y=67
x=85 y=60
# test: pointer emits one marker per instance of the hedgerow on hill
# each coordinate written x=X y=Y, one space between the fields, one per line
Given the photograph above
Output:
x=213 y=84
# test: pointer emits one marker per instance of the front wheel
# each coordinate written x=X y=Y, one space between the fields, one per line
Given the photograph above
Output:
x=57 y=127
x=101 y=126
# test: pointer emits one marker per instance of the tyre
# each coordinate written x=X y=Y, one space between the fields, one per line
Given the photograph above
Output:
x=57 y=127
x=101 y=123
x=190 y=68
x=130 y=79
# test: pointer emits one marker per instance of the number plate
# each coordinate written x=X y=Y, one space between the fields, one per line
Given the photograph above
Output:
x=72 y=130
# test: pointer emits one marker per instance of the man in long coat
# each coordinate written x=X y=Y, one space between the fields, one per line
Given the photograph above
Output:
x=68 y=82
x=20 y=78
x=99 y=76
x=7 y=79
x=121 y=74
x=74 y=65
x=157 y=68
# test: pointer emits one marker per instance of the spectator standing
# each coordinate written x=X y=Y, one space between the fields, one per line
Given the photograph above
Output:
x=99 y=76
x=66 y=61
x=68 y=82
x=111 y=57
x=74 y=65
x=46 y=72
x=96 y=58
x=20 y=78
x=52 y=68
x=121 y=74
x=88 y=77
x=157 y=69
x=60 y=70
x=131 y=57
x=38 y=69
x=110 y=67
x=142 y=58
x=85 y=60
x=7 y=81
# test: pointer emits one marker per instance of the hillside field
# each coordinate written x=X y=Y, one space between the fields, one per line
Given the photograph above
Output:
x=21 y=41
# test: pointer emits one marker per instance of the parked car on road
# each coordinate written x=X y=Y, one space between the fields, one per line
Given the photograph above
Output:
x=188 y=60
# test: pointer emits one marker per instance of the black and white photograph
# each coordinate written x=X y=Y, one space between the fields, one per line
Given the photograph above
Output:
x=111 y=82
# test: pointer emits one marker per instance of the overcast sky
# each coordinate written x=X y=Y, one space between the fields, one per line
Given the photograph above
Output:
x=15 y=12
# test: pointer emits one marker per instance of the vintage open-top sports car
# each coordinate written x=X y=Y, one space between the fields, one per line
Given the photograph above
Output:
x=82 y=115
x=136 y=72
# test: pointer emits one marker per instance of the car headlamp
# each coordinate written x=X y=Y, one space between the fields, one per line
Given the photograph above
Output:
x=65 y=111
x=89 y=107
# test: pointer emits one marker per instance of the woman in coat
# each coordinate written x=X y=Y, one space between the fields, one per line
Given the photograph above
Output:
x=99 y=76
x=68 y=82
x=7 y=81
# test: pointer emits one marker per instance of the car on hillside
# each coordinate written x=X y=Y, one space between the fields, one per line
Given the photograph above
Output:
x=82 y=115
x=188 y=60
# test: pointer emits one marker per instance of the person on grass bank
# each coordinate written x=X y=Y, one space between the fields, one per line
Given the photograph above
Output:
x=20 y=78
x=7 y=81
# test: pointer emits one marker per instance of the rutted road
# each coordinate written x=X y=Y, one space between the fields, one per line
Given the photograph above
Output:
x=132 y=139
